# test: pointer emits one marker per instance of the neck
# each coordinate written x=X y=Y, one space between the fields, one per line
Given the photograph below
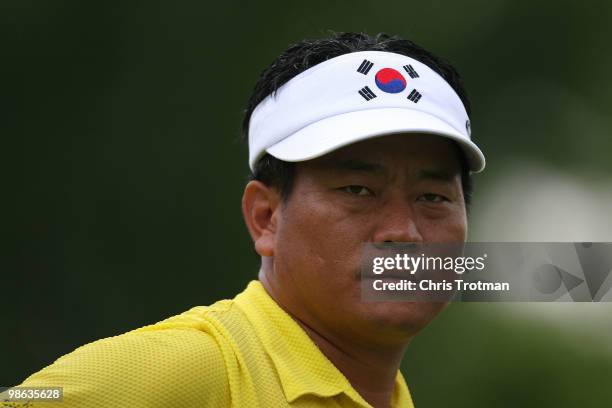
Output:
x=371 y=369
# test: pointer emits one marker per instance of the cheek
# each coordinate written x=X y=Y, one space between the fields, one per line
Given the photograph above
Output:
x=448 y=229
x=316 y=235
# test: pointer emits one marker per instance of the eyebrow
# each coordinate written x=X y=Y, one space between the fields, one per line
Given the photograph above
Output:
x=437 y=175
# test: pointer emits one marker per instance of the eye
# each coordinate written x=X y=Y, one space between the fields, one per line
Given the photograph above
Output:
x=357 y=190
x=432 y=198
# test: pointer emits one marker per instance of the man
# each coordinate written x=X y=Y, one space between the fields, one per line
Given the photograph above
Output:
x=352 y=139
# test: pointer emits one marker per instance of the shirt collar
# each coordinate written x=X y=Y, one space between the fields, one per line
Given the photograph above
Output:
x=308 y=371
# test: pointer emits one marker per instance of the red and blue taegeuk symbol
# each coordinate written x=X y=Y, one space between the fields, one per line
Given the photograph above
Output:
x=390 y=81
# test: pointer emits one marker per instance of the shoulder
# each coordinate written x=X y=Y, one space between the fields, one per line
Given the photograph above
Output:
x=163 y=366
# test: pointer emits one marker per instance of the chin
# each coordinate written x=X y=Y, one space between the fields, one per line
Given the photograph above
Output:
x=405 y=318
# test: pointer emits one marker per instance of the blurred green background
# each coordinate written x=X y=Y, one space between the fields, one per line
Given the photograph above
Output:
x=121 y=123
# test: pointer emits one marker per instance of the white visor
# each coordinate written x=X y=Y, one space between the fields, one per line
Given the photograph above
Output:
x=354 y=97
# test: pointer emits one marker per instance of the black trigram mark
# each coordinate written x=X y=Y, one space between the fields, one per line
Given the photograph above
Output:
x=413 y=74
x=414 y=96
x=365 y=67
x=367 y=93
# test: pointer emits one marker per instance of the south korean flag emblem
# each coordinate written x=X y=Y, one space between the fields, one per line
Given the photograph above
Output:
x=388 y=80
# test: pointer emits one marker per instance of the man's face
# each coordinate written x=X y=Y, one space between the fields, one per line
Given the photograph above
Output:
x=399 y=188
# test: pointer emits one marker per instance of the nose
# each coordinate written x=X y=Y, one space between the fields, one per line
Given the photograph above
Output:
x=397 y=223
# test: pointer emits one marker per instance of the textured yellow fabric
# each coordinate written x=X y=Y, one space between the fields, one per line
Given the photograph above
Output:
x=244 y=352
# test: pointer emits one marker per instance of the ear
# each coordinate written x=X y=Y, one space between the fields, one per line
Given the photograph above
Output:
x=260 y=205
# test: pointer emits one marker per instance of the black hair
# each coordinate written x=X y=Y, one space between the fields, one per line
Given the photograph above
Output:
x=308 y=53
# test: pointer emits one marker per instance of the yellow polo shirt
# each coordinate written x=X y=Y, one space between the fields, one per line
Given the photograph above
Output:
x=244 y=352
